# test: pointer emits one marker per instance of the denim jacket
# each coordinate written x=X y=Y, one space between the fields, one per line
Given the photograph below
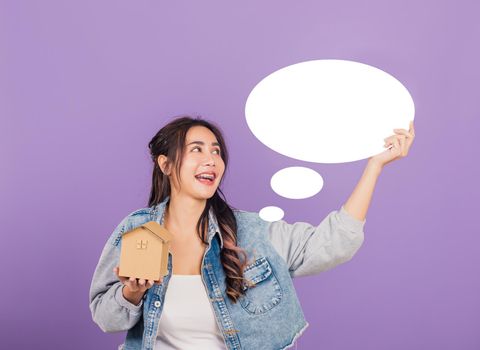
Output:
x=269 y=315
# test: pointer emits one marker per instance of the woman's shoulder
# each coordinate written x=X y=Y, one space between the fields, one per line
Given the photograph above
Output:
x=140 y=213
x=244 y=214
x=131 y=221
x=137 y=217
x=249 y=218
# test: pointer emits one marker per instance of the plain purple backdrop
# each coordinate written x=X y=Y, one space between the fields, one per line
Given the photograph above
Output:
x=84 y=86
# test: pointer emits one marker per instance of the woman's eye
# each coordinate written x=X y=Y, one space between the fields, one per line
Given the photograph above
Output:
x=216 y=150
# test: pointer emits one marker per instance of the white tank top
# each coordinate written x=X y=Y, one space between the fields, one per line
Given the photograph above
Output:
x=188 y=320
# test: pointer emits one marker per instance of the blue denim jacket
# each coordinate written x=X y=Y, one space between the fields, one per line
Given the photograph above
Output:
x=269 y=315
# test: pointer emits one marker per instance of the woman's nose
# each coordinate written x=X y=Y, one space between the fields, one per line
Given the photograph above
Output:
x=209 y=159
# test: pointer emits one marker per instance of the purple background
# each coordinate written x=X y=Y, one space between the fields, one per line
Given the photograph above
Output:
x=84 y=86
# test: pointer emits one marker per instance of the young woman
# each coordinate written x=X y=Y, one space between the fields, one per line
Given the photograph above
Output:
x=229 y=282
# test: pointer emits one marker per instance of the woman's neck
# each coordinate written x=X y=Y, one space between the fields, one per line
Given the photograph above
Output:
x=182 y=214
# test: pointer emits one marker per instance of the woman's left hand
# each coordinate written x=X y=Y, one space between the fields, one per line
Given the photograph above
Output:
x=400 y=142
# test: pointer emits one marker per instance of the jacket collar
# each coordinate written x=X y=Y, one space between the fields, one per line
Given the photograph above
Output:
x=213 y=227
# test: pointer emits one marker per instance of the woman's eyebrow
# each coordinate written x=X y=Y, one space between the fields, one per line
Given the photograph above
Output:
x=203 y=143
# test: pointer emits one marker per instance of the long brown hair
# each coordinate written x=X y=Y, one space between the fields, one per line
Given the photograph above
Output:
x=170 y=141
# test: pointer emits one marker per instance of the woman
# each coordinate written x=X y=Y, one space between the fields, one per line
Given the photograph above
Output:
x=229 y=282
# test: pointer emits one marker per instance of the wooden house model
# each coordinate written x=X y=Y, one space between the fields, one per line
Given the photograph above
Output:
x=144 y=252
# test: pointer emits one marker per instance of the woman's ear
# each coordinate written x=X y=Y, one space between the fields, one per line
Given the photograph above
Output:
x=163 y=164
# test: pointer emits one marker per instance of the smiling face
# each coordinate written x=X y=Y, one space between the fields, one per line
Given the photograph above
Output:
x=202 y=156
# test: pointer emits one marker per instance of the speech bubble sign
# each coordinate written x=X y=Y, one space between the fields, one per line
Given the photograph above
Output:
x=271 y=213
x=296 y=182
x=328 y=111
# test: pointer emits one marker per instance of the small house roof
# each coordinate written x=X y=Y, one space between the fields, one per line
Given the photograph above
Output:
x=158 y=230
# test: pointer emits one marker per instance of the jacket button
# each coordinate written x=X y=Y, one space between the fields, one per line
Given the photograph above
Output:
x=157 y=303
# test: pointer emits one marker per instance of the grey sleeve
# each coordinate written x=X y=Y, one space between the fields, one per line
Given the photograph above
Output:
x=309 y=250
x=110 y=310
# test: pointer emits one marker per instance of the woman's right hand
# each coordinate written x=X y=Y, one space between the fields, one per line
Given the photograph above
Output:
x=134 y=288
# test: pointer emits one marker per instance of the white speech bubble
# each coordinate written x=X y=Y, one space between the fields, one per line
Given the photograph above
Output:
x=296 y=182
x=271 y=213
x=328 y=111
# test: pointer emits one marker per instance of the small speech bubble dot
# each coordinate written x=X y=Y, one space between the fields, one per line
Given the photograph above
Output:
x=328 y=111
x=296 y=182
x=271 y=213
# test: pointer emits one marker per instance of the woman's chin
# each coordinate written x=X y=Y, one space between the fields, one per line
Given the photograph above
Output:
x=205 y=194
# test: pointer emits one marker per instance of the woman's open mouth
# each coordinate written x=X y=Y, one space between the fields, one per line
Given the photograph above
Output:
x=206 y=179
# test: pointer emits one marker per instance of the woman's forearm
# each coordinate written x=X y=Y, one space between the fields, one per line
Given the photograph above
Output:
x=359 y=201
